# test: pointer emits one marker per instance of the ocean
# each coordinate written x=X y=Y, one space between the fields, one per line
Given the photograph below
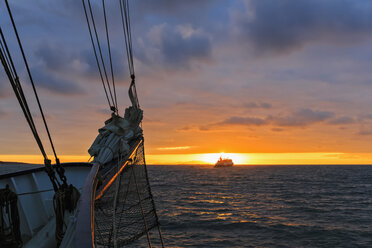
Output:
x=263 y=206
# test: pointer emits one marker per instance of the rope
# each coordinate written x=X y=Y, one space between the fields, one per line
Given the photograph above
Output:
x=31 y=79
x=109 y=51
x=104 y=79
x=152 y=200
x=11 y=72
x=10 y=228
x=143 y=213
x=34 y=192
x=37 y=192
x=118 y=180
x=95 y=53
x=64 y=199
x=125 y=19
x=99 y=49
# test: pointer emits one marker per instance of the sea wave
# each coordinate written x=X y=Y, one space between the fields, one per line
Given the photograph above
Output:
x=263 y=206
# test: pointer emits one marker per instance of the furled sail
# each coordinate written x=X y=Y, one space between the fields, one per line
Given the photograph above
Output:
x=115 y=136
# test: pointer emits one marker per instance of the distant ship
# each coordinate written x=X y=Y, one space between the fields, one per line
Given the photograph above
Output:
x=224 y=162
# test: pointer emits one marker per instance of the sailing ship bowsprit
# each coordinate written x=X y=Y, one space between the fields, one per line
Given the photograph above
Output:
x=114 y=205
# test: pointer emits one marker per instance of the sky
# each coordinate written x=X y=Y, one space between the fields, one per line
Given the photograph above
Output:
x=264 y=81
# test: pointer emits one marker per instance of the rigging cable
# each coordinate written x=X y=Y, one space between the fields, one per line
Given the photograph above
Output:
x=66 y=196
x=47 y=162
x=109 y=51
x=11 y=72
x=125 y=18
x=95 y=53
x=112 y=106
x=31 y=79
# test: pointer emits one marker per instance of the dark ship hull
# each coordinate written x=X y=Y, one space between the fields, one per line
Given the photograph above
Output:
x=224 y=163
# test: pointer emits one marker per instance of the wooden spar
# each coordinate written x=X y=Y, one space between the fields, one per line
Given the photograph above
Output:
x=100 y=193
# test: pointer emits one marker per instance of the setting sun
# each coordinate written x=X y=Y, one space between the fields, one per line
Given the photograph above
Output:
x=211 y=158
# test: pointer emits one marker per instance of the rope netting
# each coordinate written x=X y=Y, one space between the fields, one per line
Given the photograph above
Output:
x=125 y=210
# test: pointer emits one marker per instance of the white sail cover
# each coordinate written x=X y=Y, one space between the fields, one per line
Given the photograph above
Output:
x=113 y=139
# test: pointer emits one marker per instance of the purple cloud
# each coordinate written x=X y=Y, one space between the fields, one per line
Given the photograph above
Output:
x=281 y=26
x=301 y=118
x=343 y=120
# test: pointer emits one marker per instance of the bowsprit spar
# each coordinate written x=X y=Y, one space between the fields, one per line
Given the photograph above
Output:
x=116 y=206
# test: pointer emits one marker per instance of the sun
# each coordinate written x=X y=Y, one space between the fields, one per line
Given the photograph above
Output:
x=212 y=158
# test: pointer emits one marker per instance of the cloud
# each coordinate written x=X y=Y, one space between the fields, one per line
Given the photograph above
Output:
x=365 y=132
x=276 y=129
x=263 y=105
x=121 y=72
x=3 y=92
x=364 y=117
x=343 y=120
x=4 y=83
x=177 y=46
x=3 y=114
x=54 y=56
x=59 y=59
x=247 y=121
x=104 y=111
x=184 y=129
x=54 y=83
x=282 y=26
x=300 y=118
x=178 y=9
x=173 y=148
x=149 y=121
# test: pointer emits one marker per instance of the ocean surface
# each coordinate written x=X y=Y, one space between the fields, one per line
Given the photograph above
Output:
x=263 y=206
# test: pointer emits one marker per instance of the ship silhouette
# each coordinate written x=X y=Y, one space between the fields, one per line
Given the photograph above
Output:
x=224 y=162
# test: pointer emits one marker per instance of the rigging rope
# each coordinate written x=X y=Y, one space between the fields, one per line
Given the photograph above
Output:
x=104 y=78
x=31 y=79
x=109 y=51
x=100 y=50
x=66 y=196
x=95 y=53
x=11 y=72
x=125 y=19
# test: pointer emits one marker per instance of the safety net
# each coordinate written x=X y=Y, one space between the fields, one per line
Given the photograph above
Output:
x=124 y=209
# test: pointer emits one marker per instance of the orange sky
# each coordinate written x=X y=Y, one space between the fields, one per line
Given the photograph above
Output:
x=211 y=158
x=211 y=77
